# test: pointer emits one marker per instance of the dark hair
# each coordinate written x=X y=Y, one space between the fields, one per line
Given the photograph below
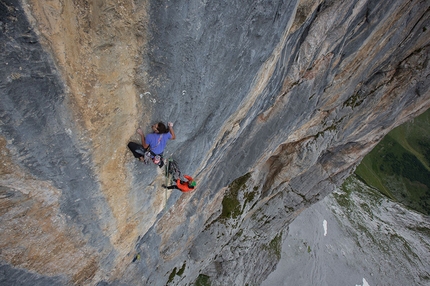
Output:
x=162 y=128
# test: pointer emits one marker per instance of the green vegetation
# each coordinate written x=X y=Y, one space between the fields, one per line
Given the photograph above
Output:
x=399 y=165
x=181 y=271
x=249 y=197
x=202 y=280
x=343 y=199
x=355 y=100
x=332 y=127
x=359 y=212
x=175 y=272
x=275 y=246
x=172 y=276
x=422 y=230
x=231 y=207
x=367 y=209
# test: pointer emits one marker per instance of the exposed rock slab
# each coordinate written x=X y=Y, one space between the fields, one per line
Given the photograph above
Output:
x=274 y=104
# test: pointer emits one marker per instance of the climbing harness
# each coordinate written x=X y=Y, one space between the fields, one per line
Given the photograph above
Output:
x=174 y=169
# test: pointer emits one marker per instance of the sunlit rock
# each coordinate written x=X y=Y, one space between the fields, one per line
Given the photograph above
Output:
x=274 y=104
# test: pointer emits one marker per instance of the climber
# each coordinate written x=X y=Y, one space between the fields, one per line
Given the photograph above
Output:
x=183 y=186
x=154 y=143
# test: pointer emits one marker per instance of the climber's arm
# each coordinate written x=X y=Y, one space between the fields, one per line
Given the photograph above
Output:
x=142 y=138
x=170 y=124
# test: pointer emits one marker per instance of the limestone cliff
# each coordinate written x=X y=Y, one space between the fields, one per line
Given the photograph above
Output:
x=274 y=103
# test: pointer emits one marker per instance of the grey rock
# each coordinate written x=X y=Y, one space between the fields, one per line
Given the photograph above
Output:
x=274 y=104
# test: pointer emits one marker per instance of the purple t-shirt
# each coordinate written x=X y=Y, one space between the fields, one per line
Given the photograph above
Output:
x=157 y=142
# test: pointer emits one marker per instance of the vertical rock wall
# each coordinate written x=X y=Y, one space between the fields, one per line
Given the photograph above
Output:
x=274 y=103
x=49 y=194
x=96 y=46
x=284 y=132
x=68 y=109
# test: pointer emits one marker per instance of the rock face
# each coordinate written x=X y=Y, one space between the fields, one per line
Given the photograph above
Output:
x=274 y=104
x=389 y=242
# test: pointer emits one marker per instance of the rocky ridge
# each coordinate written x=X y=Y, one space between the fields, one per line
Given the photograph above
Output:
x=274 y=104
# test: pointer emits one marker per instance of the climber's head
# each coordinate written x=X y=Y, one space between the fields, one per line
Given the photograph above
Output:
x=159 y=128
x=192 y=184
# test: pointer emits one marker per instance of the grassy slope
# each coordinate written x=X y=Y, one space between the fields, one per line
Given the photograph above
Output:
x=399 y=165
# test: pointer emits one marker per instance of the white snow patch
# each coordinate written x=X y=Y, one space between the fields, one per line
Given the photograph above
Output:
x=325 y=227
x=364 y=283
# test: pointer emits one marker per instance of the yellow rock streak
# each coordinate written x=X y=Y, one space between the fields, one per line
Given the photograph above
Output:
x=97 y=45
